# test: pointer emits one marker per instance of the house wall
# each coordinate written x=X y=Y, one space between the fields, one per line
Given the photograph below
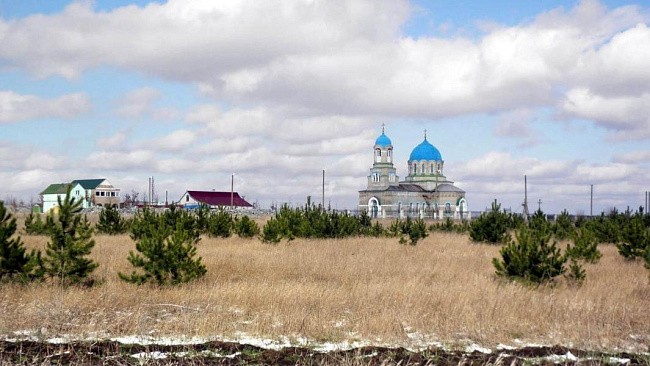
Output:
x=50 y=201
x=412 y=204
x=104 y=195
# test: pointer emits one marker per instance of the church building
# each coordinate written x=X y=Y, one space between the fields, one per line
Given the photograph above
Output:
x=424 y=193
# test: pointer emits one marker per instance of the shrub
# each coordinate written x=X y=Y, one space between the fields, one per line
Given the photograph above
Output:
x=166 y=257
x=220 y=224
x=414 y=229
x=563 y=227
x=376 y=230
x=71 y=241
x=34 y=225
x=314 y=222
x=111 y=222
x=15 y=263
x=491 y=227
x=635 y=239
x=585 y=246
x=272 y=231
x=246 y=228
x=146 y=222
x=530 y=258
x=576 y=274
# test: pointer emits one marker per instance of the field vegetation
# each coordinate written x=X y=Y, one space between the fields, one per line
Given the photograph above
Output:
x=444 y=289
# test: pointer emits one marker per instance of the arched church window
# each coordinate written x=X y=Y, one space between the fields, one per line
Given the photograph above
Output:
x=424 y=168
x=415 y=168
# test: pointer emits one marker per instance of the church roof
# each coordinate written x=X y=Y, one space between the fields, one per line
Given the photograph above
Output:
x=425 y=151
x=446 y=187
x=383 y=140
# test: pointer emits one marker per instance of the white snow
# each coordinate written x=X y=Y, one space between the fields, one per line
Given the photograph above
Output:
x=475 y=347
x=620 y=361
x=150 y=355
x=163 y=341
x=562 y=358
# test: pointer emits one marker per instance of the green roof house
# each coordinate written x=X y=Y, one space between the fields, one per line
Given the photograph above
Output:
x=92 y=192
x=51 y=195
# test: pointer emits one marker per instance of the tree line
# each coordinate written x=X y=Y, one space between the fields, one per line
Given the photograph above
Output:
x=166 y=242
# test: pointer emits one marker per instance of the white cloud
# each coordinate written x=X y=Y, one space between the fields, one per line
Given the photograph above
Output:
x=634 y=157
x=115 y=141
x=138 y=102
x=16 y=107
x=121 y=161
x=174 y=142
x=350 y=57
x=298 y=84
x=628 y=117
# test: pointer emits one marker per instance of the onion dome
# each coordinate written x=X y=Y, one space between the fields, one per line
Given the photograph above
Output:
x=383 y=140
x=425 y=151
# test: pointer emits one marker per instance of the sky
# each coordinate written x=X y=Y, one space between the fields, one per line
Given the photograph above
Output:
x=269 y=94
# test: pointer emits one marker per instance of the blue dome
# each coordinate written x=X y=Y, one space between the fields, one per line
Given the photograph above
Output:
x=425 y=151
x=383 y=140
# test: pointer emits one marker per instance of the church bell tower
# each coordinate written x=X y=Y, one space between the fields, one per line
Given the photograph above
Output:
x=382 y=174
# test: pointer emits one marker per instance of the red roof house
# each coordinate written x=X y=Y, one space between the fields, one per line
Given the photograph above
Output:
x=193 y=199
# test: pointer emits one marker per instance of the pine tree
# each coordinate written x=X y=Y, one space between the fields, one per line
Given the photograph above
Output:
x=635 y=239
x=111 y=222
x=530 y=257
x=166 y=257
x=563 y=227
x=246 y=228
x=220 y=224
x=491 y=227
x=15 y=263
x=585 y=246
x=34 y=225
x=71 y=241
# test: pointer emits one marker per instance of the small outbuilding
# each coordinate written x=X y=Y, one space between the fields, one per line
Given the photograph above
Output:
x=213 y=199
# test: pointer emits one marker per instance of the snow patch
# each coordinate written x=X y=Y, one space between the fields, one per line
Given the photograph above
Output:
x=156 y=355
x=561 y=358
x=475 y=347
x=163 y=341
x=617 y=360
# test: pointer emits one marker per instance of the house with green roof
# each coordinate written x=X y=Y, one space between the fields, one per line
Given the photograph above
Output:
x=57 y=191
x=92 y=192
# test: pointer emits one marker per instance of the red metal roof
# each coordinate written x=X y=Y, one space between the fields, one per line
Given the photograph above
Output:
x=213 y=198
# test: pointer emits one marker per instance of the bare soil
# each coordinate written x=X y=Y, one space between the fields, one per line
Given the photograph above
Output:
x=228 y=353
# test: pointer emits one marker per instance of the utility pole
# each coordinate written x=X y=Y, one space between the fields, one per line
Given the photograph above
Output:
x=591 y=202
x=525 y=204
x=539 y=204
x=323 y=201
x=232 y=190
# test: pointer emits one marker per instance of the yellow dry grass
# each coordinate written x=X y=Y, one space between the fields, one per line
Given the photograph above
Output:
x=443 y=289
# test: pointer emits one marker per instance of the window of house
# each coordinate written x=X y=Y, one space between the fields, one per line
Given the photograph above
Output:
x=97 y=193
x=102 y=194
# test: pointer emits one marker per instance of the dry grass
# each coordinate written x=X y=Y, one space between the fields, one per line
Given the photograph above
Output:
x=374 y=289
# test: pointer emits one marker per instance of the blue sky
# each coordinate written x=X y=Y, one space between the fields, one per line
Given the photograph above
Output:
x=191 y=92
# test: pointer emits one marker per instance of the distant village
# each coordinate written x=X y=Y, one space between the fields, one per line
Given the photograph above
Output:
x=100 y=193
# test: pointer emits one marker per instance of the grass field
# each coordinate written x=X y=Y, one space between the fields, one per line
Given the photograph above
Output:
x=444 y=289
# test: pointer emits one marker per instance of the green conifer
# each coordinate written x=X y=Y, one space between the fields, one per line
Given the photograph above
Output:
x=165 y=257
x=111 y=222
x=491 y=227
x=71 y=241
x=15 y=263
x=530 y=257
